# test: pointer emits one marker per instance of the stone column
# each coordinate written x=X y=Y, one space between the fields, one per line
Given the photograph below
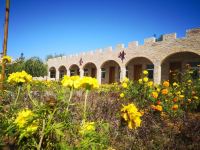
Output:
x=122 y=73
x=99 y=75
x=57 y=74
x=157 y=73
x=81 y=72
x=48 y=77
x=68 y=72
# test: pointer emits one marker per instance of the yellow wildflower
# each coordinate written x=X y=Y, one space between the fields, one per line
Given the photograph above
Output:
x=158 y=89
x=22 y=117
x=150 y=83
x=145 y=72
x=145 y=79
x=189 y=81
x=87 y=127
x=71 y=82
x=140 y=81
x=131 y=114
x=122 y=95
x=166 y=83
x=88 y=83
x=124 y=85
x=19 y=78
x=155 y=94
x=178 y=93
x=175 y=84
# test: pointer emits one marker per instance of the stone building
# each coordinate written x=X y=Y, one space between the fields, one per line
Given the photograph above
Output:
x=161 y=58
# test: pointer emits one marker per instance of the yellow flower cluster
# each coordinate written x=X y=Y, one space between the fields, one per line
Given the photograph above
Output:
x=77 y=82
x=131 y=114
x=71 y=82
x=89 y=83
x=154 y=94
x=19 y=78
x=166 y=83
x=6 y=59
x=22 y=117
x=87 y=127
x=22 y=122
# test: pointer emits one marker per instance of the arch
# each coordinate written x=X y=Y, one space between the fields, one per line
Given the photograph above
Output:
x=90 y=69
x=52 y=72
x=74 y=70
x=110 y=72
x=62 y=71
x=175 y=63
x=136 y=65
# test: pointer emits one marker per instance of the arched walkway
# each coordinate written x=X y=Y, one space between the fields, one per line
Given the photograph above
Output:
x=62 y=71
x=110 y=72
x=90 y=70
x=52 y=72
x=74 y=70
x=136 y=65
x=175 y=63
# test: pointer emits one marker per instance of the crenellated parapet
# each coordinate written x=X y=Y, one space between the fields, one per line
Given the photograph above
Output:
x=152 y=49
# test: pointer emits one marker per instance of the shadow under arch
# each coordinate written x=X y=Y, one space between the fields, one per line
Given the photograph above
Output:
x=174 y=64
x=52 y=71
x=136 y=65
x=62 y=71
x=110 y=72
x=90 y=70
x=74 y=70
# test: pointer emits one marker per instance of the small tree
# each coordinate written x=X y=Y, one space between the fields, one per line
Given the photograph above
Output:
x=35 y=67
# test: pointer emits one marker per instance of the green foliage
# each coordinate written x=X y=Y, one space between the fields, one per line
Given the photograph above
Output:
x=35 y=67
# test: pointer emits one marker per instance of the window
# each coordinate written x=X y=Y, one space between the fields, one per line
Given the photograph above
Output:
x=150 y=69
x=196 y=69
x=72 y=72
x=86 y=73
x=103 y=73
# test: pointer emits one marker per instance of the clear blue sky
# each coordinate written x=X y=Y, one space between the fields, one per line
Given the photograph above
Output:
x=42 y=27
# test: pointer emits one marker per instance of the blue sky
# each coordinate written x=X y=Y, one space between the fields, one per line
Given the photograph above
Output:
x=42 y=27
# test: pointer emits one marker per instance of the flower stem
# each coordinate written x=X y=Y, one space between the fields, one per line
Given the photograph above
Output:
x=29 y=94
x=70 y=97
x=85 y=105
x=18 y=92
x=42 y=135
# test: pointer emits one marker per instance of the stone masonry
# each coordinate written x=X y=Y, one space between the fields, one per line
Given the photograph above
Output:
x=162 y=57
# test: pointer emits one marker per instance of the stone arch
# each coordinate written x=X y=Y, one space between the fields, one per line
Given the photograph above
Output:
x=74 y=70
x=52 y=72
x=175 y=63
x=90 y=69
x=136 y=65
x=110 y=71
x=62 y=71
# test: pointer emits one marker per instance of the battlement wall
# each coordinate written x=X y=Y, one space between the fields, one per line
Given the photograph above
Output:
x=133 y=47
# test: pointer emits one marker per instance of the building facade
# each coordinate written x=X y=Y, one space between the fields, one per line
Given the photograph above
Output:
x=161 y=58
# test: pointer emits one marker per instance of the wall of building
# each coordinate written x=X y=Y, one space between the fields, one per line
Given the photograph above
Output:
x=156 y=52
